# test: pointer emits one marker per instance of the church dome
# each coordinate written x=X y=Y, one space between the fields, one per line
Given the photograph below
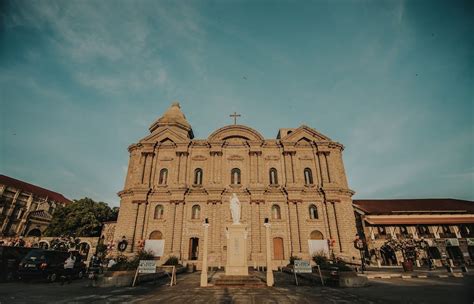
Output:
x=172 y=117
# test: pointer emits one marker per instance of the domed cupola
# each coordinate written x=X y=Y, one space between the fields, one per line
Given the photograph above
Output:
x=173 y=117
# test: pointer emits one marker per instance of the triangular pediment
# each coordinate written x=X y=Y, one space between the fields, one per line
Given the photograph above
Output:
x=167 y=135
x=304 y=135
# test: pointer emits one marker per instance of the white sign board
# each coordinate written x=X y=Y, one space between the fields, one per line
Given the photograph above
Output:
x=318 y=247
x=302 y=266
x=147 y=266
x=155 y=246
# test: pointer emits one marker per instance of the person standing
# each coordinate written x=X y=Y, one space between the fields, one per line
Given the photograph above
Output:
x=68 y=268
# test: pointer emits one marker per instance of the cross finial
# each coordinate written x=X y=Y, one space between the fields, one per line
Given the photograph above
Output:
x=235 y=115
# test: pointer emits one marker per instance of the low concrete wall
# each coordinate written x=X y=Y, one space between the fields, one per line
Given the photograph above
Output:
x=125 y=278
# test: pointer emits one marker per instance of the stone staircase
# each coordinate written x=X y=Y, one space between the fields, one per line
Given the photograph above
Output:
x=239 y=281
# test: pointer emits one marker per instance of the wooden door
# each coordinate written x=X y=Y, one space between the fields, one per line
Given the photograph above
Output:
x=278 y=253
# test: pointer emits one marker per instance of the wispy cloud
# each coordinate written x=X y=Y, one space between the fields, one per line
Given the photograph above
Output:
x=113 y=52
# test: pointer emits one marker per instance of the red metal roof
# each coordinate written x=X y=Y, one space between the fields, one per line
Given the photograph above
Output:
x=37 y=191
x=428 y=205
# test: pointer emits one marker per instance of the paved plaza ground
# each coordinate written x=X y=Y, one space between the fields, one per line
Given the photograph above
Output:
x=187 y=290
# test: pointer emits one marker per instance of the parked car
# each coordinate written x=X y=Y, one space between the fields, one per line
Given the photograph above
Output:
x=10 y=258
x=49 y=265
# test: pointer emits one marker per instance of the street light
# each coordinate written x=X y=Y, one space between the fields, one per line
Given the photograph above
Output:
x=270 y=279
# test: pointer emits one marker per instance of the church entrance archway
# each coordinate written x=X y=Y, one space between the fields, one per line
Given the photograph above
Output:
x=317 y=245
x=156 y=235
x=278 y=252
x=316 y=235
x=34 y=232
x=193 y=248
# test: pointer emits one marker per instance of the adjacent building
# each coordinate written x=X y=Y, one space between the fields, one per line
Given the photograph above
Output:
x=296 y=180
x=447 y=225
x=26 y=209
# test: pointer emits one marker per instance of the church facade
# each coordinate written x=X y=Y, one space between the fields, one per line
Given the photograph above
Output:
x=297 y=181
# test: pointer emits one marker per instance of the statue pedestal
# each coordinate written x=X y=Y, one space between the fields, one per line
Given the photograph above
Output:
x=236 y=250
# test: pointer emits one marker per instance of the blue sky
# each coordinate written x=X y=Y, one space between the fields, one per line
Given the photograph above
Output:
x=391 y=80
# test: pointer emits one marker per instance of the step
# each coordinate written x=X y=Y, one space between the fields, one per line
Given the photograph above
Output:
x=242 y=281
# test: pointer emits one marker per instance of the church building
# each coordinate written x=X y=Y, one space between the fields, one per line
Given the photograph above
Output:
x=296 y=181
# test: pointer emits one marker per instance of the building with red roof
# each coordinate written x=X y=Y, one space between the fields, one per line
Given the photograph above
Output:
x=26 y=209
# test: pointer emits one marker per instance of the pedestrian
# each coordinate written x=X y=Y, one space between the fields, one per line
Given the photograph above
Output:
x=68 y=268
x=111 y=263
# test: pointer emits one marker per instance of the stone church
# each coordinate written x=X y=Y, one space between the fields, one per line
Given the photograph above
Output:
x=297 y=181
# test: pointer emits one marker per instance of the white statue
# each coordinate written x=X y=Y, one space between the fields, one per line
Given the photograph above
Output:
x=235 y=208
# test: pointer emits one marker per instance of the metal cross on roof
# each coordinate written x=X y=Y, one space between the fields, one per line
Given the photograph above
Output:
x=235 y=115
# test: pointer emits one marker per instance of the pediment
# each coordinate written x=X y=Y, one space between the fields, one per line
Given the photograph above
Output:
x=238 y=132
x=165 y=136
x=304 y=135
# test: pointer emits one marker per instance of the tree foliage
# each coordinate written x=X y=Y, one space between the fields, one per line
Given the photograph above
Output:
x=82 y=217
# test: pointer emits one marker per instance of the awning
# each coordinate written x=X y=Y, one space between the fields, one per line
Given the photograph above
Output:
x=418 y=219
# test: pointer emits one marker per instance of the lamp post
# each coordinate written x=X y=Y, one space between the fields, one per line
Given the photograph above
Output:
x=270 y=280
x=204 y=254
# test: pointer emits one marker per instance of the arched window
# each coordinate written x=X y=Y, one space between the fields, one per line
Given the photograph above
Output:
x=313 y=212
x=235 y=176
x=198 y=176
x=196 y=212
x=273 y=176
x=159 y=210
x=276 y=214
x=163 y=177
x=308 y=176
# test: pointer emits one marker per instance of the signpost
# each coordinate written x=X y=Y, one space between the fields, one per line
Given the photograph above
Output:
x=301 y=266
x=144 y=266
x=359 y=244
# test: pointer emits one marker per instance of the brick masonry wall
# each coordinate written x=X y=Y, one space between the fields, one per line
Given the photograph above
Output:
x=142 y=193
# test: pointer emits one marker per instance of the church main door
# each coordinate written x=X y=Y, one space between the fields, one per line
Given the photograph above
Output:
x=193 y=248
x=278 y=249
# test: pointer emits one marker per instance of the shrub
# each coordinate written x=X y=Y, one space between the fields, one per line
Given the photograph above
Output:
x=122 y=264
x=131 y=264
x=320 y=257
x=172 y=261
x=141 y=255
x=293 y=258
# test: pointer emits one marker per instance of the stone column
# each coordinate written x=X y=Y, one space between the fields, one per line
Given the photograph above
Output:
x=178 y=228
x=288 y=168
x=253 y=167
x=136 y=209
x=183 y=167
x=332 y=224
x=323 y=167
x=9 y=213
x=270 y=279
x=212 y=173
x=204 y=257
x=218 y=169
x=293 y=222
x=259 y=167
x=20 y=229
x=173 y=226
x=336 y=215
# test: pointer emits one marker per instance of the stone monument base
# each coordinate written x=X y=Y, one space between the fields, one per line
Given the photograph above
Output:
x=236 y=250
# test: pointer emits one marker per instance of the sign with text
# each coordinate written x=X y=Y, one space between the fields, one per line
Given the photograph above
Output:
x=147 y=266
x=302 y=266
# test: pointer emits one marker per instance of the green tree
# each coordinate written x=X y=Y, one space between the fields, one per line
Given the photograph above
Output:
x=82 y=217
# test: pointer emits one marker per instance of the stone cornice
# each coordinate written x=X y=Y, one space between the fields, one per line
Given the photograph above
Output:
x=133 y=147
